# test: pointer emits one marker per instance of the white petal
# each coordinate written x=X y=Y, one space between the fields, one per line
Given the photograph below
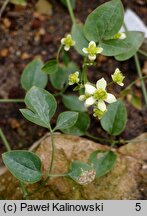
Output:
x=121 y=84
x=66 y=48
x=73 y=43
x=92 y=57
x=62 y=40
x=99 y=50
x=82 y=97
x=110 y=98
x=90 y=101
x=101 y=83
x=123 y=36
x=89 y=89
x=92 y=43
x=85 y=50
x=101 y=105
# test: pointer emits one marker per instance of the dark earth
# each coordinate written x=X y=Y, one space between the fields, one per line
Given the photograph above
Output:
x=25 y=34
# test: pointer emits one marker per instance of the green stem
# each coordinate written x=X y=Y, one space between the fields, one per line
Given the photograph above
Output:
x=132 y=83
x=100 y=139
x=58 y=53
x=139 y=73
x=141 y=77
x=25 y=193
x=58 y=175
x=7 y=145
x=71 y=11
x=110 y=83
x=11 y=100
x=142 y=52
x=6 y=2
x=84 y=71
x=52 y=144
x=8 y=148
x=51 y=164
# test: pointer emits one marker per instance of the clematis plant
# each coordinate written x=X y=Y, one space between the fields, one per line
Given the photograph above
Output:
x=97 y=36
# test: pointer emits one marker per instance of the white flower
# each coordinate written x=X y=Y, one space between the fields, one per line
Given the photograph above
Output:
x=118 y=77
x=73 y=78
x=92 y=50
x=119 y=35
x=98 y=113
x=98 y=95
x=67 y=42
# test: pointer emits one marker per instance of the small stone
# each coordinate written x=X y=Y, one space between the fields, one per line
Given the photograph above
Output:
x=7 y=23
x=44 y=7
x=25 y=56
x=4 y=52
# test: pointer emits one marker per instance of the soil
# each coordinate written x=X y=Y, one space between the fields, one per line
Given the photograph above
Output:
x=25 y=34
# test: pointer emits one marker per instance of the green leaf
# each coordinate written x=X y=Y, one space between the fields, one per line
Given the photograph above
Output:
x=59 y=78
x=70 y=68
x=24 y=165
x=50 y=67
x=19 y=2
x=72 y=102
x=66 y=120
x=136 y=101
x=114 y=47
x=81 y=126
x=33 y=76
x=41 y=106
x=73 y=3
x=105 y=21
x=78 y=36
x=102 y=161
x=81 y=172
x=134 y=40
x=114 y=121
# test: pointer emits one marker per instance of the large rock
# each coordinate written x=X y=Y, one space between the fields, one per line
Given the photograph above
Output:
x=127 y=180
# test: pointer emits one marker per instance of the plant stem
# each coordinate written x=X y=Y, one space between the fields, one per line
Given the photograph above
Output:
x=100 y=139
x=84 y=72
x=132 y=83
x=51 y=164
x=142 y=52
x=3 y=7
x=52 y=144
x=141 y=77
x=71 y=11
x=11 y=100
x=58 y=53
x=8 y=148
x=7 y=145
x=25 y=193
x=58 y=175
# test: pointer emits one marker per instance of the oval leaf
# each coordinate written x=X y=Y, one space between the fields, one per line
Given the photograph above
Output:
x=66 y=120
x=33 y=76
x=134 y=40
x=19 y=2
x=102 y=161
x=50 y=66
x=81 y=126
x=79 y=38
x=105 y=21
x=114 y=47
x=81 y=172
x=59 y=78
x=24 y=165
x=41 y=106
x=114 y=121
x=72 y=102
